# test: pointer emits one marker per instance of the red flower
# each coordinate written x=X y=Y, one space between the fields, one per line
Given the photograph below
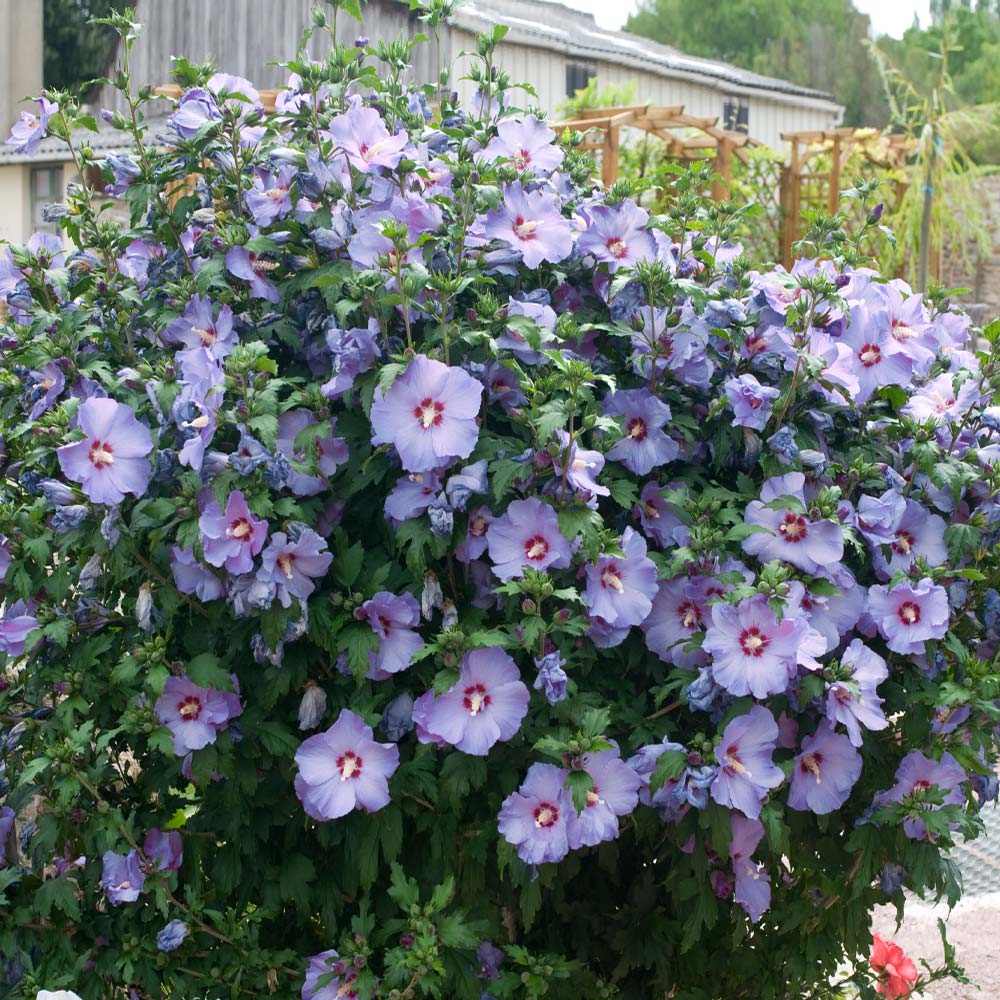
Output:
x=897 y=975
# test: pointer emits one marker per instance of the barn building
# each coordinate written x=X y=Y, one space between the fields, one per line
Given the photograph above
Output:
x=554 y=48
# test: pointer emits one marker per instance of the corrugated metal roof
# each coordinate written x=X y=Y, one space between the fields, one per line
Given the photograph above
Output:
x=576 y=32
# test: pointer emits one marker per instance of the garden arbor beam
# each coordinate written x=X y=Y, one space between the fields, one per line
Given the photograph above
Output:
x=665 y=122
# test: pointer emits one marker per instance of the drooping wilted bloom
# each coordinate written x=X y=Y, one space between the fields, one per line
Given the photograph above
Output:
x=746 y=771
x=812 y=546
x=360 y=134
x=29 y=130
x=854 y=701
x=752 y=883
x=354 y=352
x=111 y=460
x=824 y=773
x=428 y=414
x=535 y=818
x=329 y=977
x=530 y=222
x=231 y=538
x=915 y=775
x=312 y=707
x=485 y=706
x=194 y=715
x=620 y=590
x=645 y=445
x=293 y=566
x=909 y=614
x=528 y=143
x=164 y=849
x=197 y=108
x=551 y=677
x=751 y=401
x=393 y=619
x=344 y=769
x=122 y=877
x=171 y=937
x=527 y=536
x=752 y=652
x=616 y=235
x=644 y=762
x=615 y=793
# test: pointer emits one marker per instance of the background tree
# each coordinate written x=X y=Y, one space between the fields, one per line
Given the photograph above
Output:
x=75 y=50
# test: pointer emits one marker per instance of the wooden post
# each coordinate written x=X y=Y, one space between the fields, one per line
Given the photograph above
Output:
x=609 y=156
x=724 y=168
x=833 y=191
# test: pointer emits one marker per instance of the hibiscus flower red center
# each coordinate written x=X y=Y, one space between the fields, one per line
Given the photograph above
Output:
x=689 y=614
x=870 y=355
x=240 y=529
x=617 y=247
x=524 y=229
x=611 y=576
x=794 y=527
x=349 y=765
x=593 y=798
x=285 y=562
x=100 y=454
x=475 y=699
x=637 y=429
x=207 y=336
x=546 y=815
x=909 y=613
x=536 y=548
x=259 y=266
x=811 y=762
x=753 y=642
x=754 y=344
x=903 y=543
x=429 y=413
x=189 y=708
x=732 y=761
x=521 y=159
x=901 y=331
x=477 y=526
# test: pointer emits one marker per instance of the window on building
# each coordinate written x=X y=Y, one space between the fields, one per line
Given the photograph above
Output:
x=578 y=75
x=736 y=114
x=46 y=187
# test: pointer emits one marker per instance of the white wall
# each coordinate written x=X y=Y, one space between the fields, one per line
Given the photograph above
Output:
x=21 y=57
x=15 y=226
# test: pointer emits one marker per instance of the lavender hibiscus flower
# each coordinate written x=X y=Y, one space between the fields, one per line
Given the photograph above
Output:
x=531 y=223
x=122 y=877
x=485 y=706
x=645 y=445
x=361 y=135
x=354 y=352
x=293 y=564
x=919 y=534
x=192 y=577
x=428 y=414
x=916 y=775
x=253 y=268
x=344 y=769
x=111 y=460
x=751 y=401
x=527 y=142
x=329 y=977
x=909 y=614
x=746 y=772
x=393 y=619
x=231 y=538
x=615 y=793
x=620 y=590
x=617 y=235
x=194 y=715
x=812 y=546
x=852 y=699
x=17 y=623
x=29 y=130
x=526 y=536
x=579 y=467
x=752 y=884
x=753 y=653
x=535 y=818
x=164 y=849
x=677 y=616
x=824 y=772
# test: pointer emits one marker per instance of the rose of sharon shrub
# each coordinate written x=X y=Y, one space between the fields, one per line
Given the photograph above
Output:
x=425 y=573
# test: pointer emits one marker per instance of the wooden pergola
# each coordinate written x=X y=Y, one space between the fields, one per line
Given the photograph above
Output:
x=824 y=186
x=704 y=137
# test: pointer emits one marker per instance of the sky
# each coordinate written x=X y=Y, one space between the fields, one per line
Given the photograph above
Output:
x=889 y=17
